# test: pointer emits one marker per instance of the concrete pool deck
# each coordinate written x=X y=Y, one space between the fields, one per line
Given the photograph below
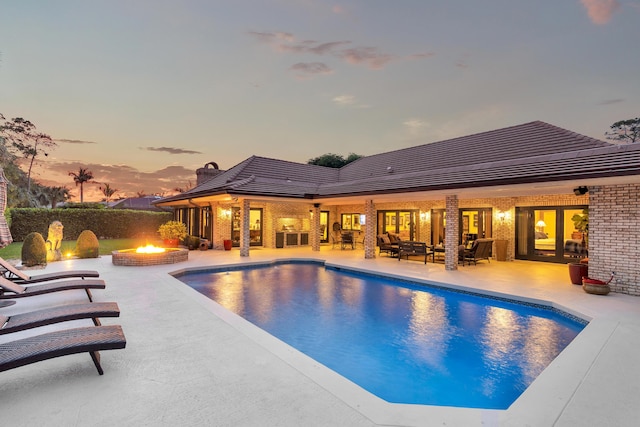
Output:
x=190 y=363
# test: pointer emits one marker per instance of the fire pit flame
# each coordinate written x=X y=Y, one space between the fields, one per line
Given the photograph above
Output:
x=149 y=249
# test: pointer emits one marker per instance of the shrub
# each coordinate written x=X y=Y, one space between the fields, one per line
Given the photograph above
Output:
x=192 y=242
x=87 y=245
x=105 y=223
x=173 y=230
x=34 y=250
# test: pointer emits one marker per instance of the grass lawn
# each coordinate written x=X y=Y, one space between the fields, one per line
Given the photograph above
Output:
x=14 y=250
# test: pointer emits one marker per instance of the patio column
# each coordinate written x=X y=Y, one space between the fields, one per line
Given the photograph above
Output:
x=370 y=230
x=245 y=237
x=315 y=227
x=216 y=225
x=451 y=234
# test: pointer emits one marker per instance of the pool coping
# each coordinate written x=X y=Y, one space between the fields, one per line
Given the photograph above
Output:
x=542 y=402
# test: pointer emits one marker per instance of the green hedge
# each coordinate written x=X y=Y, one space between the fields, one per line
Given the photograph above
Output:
x=105 y=223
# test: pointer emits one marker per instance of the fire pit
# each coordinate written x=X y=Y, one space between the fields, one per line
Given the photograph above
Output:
x=149 y=255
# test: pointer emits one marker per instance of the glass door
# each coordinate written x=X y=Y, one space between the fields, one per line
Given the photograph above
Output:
x=549 y=234
x=324 y=226
x=438 y=226
x=475 y=223
x=402 y=223
x=255 y=227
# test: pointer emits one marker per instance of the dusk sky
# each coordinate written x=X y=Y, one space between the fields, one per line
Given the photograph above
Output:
x=142 y=93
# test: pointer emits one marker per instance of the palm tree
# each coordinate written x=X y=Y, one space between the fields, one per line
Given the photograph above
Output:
x=108 y=192
x=83 y=175
x=58 y=194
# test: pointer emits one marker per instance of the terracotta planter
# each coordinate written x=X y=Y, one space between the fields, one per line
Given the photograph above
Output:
x=227 y=245
x=577 y=271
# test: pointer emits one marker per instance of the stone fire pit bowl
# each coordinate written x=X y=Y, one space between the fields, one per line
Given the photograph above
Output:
x=129 y=257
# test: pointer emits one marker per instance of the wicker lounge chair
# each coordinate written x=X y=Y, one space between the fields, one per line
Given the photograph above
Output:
x=89 y=339
x=64 y=313
x=10 y=272
x=10 y=290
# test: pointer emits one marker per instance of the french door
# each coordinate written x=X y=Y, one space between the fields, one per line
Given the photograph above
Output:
x=549 y=234
x=402 y=223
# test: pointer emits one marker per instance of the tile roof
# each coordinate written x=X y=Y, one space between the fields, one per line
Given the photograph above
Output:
x=531 y=152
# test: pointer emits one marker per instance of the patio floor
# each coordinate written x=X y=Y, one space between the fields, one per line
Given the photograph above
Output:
x=190 y=363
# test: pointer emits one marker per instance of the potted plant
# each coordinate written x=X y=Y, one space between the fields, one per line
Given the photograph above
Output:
x=171 y=232
x=578 y=270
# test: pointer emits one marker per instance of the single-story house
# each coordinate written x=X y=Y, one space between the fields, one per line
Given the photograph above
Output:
x=520 y=186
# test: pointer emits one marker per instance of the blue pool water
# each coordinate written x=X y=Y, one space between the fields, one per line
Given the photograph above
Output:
x=403 y=342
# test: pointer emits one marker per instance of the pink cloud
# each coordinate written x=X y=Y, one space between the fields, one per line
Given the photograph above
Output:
x=306 y=70
x=366 y=55
x=600 y=11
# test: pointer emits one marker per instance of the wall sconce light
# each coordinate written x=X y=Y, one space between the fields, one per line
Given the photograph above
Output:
x=501 y=216
x=580 y=190
x=424 y=216
x=225 y=213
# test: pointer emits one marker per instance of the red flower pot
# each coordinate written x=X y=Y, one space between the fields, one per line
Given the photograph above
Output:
x=227 y=245
x=171 y=243
x=577 y=271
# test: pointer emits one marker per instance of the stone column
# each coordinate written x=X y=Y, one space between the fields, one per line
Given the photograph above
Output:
x=245 y=226
x=370 y=230
x=451 y=234
x=315 y=225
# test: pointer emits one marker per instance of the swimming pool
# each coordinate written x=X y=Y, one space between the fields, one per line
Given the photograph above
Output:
x=403 y=342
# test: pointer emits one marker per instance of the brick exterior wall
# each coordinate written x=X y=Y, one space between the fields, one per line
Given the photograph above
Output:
x=612 y=241
x=614 y=233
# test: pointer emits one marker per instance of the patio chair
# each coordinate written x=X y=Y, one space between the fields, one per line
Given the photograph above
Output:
x=10 y=290
x=347 y=240
x=10 y=272
x=90 y=339
x=385 y=245
x=481 y=249
x=63 y=313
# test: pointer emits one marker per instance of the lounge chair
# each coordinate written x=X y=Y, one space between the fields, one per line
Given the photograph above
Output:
x=10 y=290
x=10 y=272
x=480 y=249
x=64 y=313
x=90 y=339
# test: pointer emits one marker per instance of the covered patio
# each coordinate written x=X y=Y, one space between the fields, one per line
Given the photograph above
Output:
x=188 y=362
